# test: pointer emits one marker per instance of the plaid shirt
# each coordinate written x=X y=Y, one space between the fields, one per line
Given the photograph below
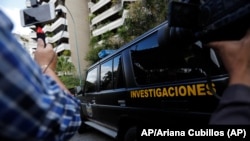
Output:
x=32 y=105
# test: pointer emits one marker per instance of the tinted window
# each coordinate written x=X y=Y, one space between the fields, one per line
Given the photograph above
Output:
x=112 y=74
x=162 y=64
x=118 y=73
x=91 y=81
x=106 y=76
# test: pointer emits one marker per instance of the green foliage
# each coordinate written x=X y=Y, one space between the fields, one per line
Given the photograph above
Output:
x=64 y=66
x=70 y=81
x=109 y=43
x=143 y=15
x=122 y=33
x=93 y=41
x=66 y=53
x=92 y=16
x=50 y=34
x=107 y=35
x=114 y=2
x=92 y=55
x=66 y=71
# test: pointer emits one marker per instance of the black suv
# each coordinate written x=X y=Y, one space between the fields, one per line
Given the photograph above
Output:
x=145 y=83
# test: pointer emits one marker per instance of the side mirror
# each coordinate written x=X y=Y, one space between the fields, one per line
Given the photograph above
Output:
x=78 y=90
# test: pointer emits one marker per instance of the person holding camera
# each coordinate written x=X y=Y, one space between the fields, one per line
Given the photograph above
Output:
x=234 y=106
x=34 y=104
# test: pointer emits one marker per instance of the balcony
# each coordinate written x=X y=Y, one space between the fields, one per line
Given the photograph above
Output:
x=110 y=12
x=33 y=35
x=50 y=28
x=58 y=36
x=113 y=25
x=106 y=14
x=90 y=4
x=62 y=8
x=62 y=47
x=98 y=5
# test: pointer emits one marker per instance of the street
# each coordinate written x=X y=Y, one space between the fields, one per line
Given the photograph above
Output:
x=91 y=135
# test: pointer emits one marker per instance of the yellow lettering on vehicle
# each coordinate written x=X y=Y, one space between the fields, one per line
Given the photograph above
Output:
x=158 y=92
x=164 y=92
x=191 y=89
x=182 y=91
x=209 y=92
x=171 y=91
x=201 y=89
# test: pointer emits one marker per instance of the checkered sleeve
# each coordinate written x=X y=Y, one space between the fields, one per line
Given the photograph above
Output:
x=32 y=105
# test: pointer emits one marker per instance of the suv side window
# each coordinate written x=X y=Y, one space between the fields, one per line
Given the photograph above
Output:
x=161 y=64
x=106 y=75
x=112 y=74
x=118 y=73
x=91 y=81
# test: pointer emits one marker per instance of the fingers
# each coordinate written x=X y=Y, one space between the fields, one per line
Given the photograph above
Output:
x=40 y=43
x=222 y=44
x=49 y=46
x=218 y=44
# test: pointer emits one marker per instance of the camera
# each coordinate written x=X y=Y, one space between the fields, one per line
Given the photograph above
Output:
x=38 y=14
x=205 y=20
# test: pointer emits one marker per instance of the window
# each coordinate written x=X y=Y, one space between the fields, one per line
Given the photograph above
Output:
x=106 y=76
x=91 y=81
x=112 y=74
x=118 y=73
x=166 y=64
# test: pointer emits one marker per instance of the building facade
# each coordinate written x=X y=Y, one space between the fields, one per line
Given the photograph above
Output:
x=79 y=20
x=69 y=31
x=79 y=37
x=107 y=15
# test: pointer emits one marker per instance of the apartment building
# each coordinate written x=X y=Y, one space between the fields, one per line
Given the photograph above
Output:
x=69 y=32
x=79 y=32
x=78 y=21
x=57 y=31
x=107 y=15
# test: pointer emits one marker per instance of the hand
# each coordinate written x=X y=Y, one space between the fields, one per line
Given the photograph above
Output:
x=236 y=58
x=45 y=56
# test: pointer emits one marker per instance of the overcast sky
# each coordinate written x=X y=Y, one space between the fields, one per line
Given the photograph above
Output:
x=12 y=8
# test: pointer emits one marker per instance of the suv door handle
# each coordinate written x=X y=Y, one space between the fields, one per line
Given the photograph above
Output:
x=93 y=101
x=122 y=102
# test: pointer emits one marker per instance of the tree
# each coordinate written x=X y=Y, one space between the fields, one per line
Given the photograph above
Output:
x=70 y=81
x=66 y=72
x=92 y=55
x=108 y=43
x=63 y=66
x=143 y=15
